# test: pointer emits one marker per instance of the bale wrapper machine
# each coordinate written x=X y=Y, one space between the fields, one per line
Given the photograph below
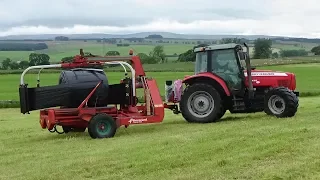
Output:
x=84 y=98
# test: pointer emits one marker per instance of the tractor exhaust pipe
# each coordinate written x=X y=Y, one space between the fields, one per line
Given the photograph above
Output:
x=247 y=59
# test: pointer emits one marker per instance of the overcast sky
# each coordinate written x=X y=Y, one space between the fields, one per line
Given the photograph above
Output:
x=249 y=17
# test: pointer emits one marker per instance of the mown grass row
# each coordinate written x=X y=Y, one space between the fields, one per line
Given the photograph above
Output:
x=9 y=104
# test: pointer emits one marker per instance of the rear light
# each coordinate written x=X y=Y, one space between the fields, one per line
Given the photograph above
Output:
x=293 y=82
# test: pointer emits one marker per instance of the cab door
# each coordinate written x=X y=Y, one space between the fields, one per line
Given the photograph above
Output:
x=224 y=63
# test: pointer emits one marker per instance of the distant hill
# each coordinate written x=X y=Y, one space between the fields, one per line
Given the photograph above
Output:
x=134 y=35
x=166 y=35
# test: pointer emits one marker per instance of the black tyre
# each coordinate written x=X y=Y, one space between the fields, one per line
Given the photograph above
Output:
x=102 y=126
x=221 y=114
x=281 y=102
x=201 y=103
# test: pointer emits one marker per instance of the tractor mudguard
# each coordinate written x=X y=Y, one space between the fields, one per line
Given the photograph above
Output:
x=209 y=78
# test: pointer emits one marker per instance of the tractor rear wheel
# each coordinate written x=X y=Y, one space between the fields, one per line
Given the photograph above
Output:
x=281 y=102
x=102 y=126
x=222 y=113
x=201 y=103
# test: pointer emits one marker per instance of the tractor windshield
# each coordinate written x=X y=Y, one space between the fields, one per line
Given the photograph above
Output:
x=224 y=61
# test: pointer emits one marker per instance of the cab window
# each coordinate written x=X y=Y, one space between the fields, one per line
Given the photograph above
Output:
x=201 y=62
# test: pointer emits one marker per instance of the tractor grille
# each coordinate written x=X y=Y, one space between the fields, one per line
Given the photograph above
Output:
x=284 y=83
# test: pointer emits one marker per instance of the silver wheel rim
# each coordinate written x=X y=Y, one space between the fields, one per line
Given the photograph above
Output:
x=276 y=104
x=200 y=104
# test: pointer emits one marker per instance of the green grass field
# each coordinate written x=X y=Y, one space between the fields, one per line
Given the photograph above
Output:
x=239 y=147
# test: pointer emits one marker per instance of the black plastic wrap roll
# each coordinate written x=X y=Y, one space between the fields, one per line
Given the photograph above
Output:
x=74 y=86
x=81 y=82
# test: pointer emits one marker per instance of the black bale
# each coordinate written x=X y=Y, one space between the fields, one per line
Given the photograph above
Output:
x=81 y=82
x=74 y=86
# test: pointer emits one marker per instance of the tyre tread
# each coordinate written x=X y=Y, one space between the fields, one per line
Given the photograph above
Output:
x=291 y=100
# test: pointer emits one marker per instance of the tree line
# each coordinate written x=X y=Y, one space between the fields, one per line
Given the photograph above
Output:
x=7 y=46
x=34 y=59
x=153 y=38
x=157 y=55
x=262 y=50
x=316 y=50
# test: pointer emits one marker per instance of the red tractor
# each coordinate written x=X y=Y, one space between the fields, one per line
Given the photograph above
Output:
x=224 y=80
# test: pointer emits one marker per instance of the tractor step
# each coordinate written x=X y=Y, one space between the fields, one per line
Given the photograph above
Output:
x=238 y=104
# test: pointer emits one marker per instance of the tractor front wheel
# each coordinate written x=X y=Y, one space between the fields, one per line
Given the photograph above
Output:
x=281 y=102
x=102 y=126
x=201 y=103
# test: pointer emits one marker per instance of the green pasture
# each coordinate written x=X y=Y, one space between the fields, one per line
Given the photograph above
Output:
x=307 y=81
x=247 y=146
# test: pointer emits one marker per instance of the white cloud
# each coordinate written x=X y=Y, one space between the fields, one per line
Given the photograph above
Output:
x=272 y=17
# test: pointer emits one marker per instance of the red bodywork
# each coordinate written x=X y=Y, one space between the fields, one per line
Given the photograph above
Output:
x=268 y=78
x=150 y=112
x=260 y=78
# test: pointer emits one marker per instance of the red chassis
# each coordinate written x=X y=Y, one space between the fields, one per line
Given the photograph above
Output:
x=151 y=111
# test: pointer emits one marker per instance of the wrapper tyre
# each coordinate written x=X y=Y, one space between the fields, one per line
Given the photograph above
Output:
x=102 y=126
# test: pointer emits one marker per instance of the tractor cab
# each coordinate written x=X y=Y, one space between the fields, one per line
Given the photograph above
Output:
x=227 y=61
